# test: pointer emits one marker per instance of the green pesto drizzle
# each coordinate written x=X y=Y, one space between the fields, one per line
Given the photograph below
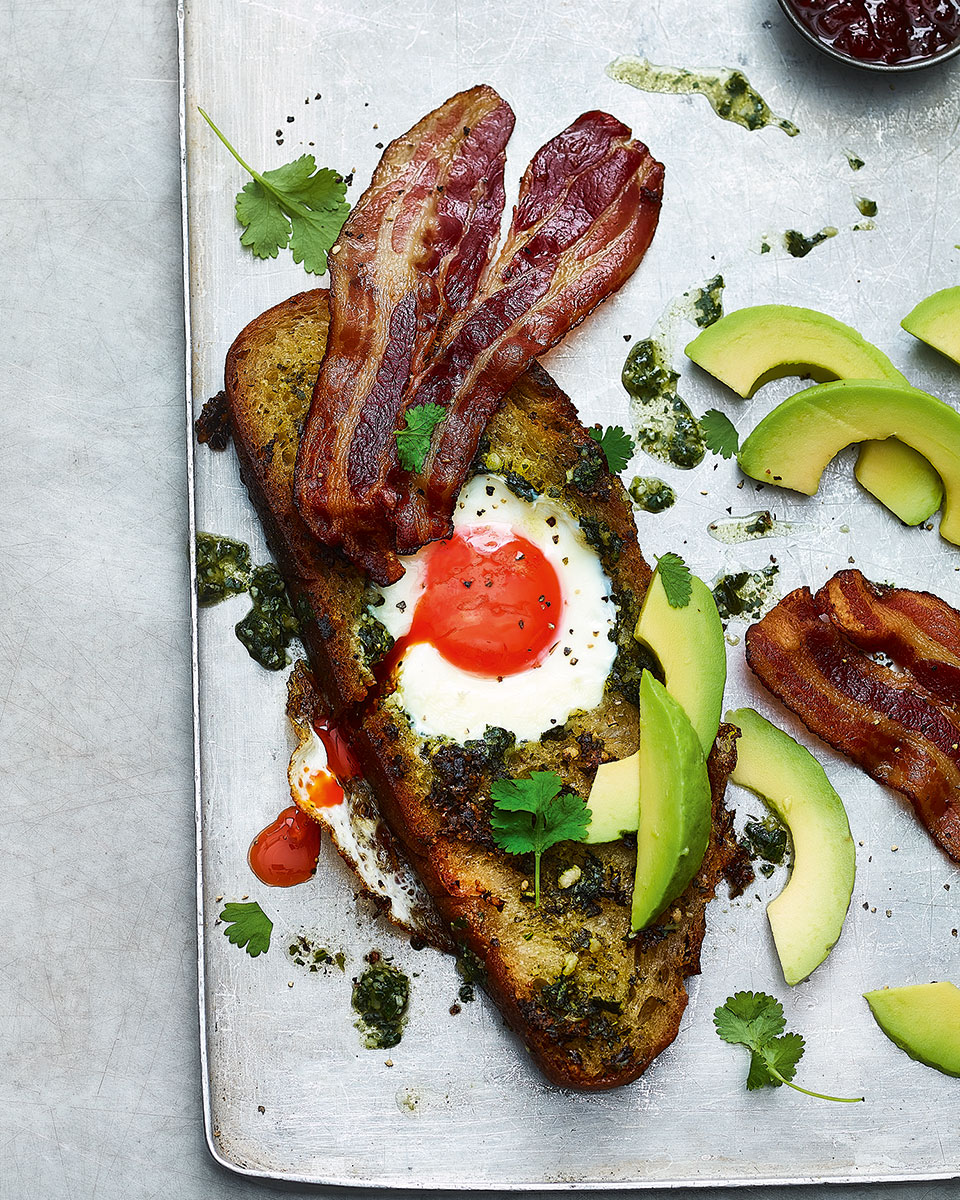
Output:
x=868 y=208
x=306 y=953
x=727 y=90
x=800 y=246
x=766 y=840
x=749 y=528
x=651 y=494
x=666 y=428
x=223 y=568
x=708 y=302
x=744 y=593
x=270 y=625
x=380 y=999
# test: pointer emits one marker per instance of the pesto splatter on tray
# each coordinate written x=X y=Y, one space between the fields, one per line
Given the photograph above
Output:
x=744 y=593
x=666 y=428
x=380 y=999
x=727 y=90
x=270 y=625
x=651 y=495
x=800 y=246
x=223 y=568
x=760 y=524
x=708 y=302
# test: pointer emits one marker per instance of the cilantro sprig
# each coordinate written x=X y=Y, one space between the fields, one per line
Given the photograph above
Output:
x=756 y=1020
x=298 y=205
x=719 y=433
x=531 y=815
x=617 y=445
x=413 y=441
x=247 y=925
x=675 y=577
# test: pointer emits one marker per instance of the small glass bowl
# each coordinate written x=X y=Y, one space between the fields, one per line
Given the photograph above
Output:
x=917 y=64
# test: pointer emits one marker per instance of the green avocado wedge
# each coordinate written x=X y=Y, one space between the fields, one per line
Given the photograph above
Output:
x=614 y=800
x=808 y=915
x=901 y=479
x=749 y=347
x=923 y=1020
x=675 y=803
x=936 y=321
x=689 y=643
x=793 y=444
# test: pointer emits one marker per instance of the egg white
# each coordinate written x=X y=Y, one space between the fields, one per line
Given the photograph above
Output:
x=443 y=700
x=359 y=834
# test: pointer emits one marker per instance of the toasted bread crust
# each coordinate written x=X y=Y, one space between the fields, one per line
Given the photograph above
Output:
x=269 y=376
x=594 y=1005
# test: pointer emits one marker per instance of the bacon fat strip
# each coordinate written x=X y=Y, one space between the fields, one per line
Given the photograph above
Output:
x=918 y=630
x=882 y=719
x=588 y=208
x=409 y=257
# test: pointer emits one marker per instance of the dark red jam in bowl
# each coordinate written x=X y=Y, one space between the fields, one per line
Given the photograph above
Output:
x=882 y=31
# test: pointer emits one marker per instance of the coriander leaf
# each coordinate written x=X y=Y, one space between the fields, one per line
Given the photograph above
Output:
x=759 y=1074
x=316 y=230
x=617 y=446
x=675 y=577
x=531 y=815
x=413 y=442
x=247 y=925
x=719 y=433
x=782 y=1055
x=512 y=831
x=748 y=1017
x=526 y=795
x=266 y=230
x=296 y=205
x=567 y=819
x=756 y=1020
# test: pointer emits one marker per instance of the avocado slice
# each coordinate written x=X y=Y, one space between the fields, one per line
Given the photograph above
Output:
x=675 y=803
x=792 y=445
x=936 y=321
x=807 y=916
x=749 y=347
x=889 y=470
x=689 y=643
x=924 y=1020
x=614 y=801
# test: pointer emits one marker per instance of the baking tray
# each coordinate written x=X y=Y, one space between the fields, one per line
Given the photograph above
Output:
x=289 y=1091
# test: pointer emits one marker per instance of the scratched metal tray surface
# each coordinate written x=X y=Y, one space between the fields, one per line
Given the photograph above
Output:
x=290 y=1091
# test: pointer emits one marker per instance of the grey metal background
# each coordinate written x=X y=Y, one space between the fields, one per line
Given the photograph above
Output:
x=460 y=1105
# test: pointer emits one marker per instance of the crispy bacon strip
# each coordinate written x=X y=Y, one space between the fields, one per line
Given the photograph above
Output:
x=409 y=258
x=917 y=630
x=588 y=208
x=883 y=720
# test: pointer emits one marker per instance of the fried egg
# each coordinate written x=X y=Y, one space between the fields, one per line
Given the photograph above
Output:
x=507 y=623
x=347 y=811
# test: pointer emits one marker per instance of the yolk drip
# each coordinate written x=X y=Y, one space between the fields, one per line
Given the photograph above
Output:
x=286 y=851
x=491 y=602
x=340 y=759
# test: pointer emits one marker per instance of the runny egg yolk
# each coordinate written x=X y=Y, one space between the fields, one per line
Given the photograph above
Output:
x=491 y=602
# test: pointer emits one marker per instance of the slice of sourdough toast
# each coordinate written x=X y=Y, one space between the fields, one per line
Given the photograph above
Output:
x=593 y=1004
